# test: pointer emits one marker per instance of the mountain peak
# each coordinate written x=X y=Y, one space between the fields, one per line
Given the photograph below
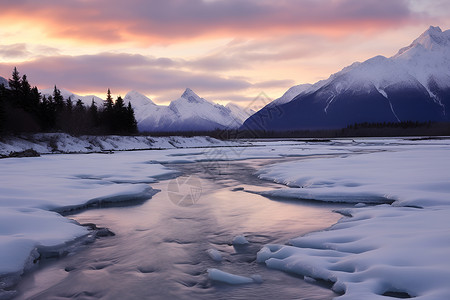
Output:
x=191 y=96
x=434 y=29
x=137 y=98
x=431 y=39
x=188 y=92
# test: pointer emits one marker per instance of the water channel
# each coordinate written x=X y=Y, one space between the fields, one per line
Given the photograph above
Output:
x=159 y=250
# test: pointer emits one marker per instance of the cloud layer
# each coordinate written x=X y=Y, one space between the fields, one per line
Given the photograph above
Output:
x=263 y=45
x=153 y=21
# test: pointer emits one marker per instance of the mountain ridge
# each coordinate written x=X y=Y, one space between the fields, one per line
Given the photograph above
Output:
x=189 y=112
x=412 y=85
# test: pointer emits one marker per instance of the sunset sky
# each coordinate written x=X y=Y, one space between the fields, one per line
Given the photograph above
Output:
x=225 y=50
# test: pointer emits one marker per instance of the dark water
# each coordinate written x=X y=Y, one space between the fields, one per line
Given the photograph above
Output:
x=159 y=250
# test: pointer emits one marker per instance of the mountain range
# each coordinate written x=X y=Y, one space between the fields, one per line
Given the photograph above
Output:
x=412 y=85
x=187 y=113
x=190 y=112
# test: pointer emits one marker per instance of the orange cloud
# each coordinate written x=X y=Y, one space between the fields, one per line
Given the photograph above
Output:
x=149 y=22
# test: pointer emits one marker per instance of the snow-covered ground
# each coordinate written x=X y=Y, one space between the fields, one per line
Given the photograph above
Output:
x=400 y=249
x=386 y=248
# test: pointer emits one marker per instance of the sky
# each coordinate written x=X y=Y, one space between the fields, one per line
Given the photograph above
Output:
x=225 y=50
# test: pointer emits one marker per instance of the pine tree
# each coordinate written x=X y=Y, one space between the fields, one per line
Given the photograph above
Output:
x=14 y=82
x=58 y=99
x=118 y=117
x=69 y=105
x=46 y=114
x=131 y=123
x=79 y=106
x=108 y=105
x=107 y=115
x=119 y=105
x=25 y=86
x=15 y=85
x=2 y=108
x=35 y=98
x=93 y=114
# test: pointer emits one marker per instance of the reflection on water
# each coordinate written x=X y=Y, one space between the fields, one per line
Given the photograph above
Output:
x=159 y=250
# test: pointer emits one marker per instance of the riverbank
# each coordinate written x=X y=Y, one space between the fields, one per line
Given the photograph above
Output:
x=58 y=143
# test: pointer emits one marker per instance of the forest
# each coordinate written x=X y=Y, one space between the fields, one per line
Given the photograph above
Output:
x=24 y=110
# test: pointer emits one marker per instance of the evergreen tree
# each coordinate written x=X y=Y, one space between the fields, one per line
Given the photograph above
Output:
x=22 y=109
x=25 y=86
x=58 y=99
x=131 y=123
x=14 y=82
x=2 y=108
x=108 y=105
x=119 y=105
x=35 y=98
x=118 y=116
x=79 y=106
x=107 y=115
x=93 y=114
x=69 y=105
x=15 y=86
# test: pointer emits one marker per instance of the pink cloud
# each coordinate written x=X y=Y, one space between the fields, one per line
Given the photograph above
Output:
x=154 y=21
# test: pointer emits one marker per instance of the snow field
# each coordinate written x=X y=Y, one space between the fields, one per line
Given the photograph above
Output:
x=408 y=176
x=400 y=249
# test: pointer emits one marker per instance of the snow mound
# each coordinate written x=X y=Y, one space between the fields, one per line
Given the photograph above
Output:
x=374 y=253
x=240 y=240
x=221 y=276
x=24 y=233
x=214 y=254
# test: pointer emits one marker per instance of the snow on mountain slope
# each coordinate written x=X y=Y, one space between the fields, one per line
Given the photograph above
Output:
x=428 y=57
x=4 y=81
x=413 y=85
x=187 y=113
x=138 y=99
x=142 y=105
x=291 y=93
x=239 y=113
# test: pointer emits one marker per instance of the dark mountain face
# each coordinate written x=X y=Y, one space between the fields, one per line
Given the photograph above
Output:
x=317 y=111
x=413 y=85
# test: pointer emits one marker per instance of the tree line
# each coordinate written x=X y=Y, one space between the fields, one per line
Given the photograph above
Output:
x=23 y=109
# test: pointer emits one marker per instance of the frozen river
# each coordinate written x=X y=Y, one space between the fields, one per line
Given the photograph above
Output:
x=182 y=208
x=159 y=250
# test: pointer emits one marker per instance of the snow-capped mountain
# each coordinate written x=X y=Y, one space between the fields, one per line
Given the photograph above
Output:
x=87 y=100
x=188 y=113
x=239 y=113
x=291 y=93
x=412 y=85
